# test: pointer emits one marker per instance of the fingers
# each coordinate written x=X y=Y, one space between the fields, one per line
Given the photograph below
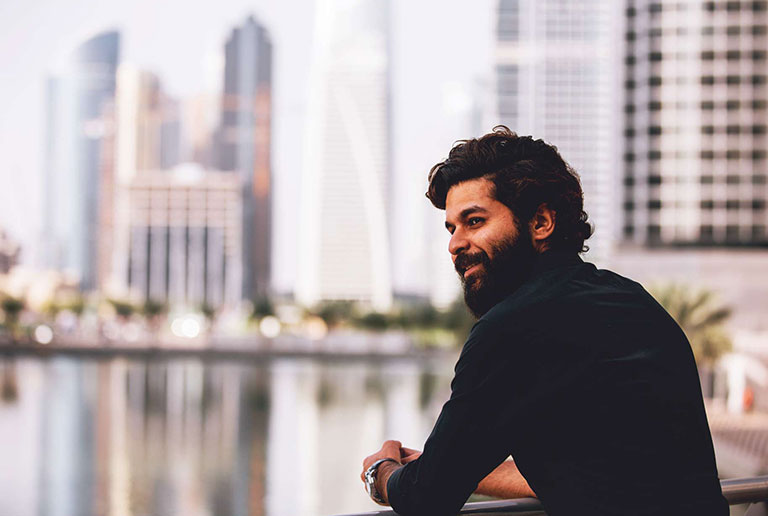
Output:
x=390 y=450
x=404 y=452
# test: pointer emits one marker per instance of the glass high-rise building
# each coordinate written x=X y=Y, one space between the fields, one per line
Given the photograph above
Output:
x=80 y=105
x=344 y=249
x=244 y=146
x=557 y=79
x=696 y=113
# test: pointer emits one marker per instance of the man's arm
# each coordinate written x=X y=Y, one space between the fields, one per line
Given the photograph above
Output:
x=505 y=481
x=491 y=396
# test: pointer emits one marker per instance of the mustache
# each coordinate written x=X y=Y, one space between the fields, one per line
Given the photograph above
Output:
x=465 y=260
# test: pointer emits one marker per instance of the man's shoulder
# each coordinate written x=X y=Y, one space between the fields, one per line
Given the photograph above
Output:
x=582 y=285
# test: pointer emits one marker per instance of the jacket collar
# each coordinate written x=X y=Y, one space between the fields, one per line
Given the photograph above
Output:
x=554 y=259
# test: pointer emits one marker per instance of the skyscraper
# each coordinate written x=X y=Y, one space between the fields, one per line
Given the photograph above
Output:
x=696 y=112
x=79 y=107
x=344 y=250
x=556 y=79
x=142 y=145
x=185 y=236
x=244 y=143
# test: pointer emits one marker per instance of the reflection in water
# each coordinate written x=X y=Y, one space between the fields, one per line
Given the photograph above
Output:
x=186 y=437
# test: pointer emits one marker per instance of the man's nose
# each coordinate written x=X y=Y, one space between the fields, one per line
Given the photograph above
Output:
x=458 y=242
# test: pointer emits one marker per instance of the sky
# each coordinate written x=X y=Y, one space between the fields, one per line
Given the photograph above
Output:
x=442 y=59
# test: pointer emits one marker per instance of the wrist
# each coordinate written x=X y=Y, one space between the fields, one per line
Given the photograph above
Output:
x=382 y=477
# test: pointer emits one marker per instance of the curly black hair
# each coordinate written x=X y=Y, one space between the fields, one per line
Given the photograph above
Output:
x=526 y=173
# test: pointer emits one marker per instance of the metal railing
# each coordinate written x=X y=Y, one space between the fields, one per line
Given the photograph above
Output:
x=736 y=490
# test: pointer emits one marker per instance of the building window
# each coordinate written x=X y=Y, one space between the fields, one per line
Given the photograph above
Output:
x=707 y=205
x=732 y=205
x=758 y=204
x=654 y=180
x=654 y=204
x=707 y=80
x=732 y=105
x=707 y=180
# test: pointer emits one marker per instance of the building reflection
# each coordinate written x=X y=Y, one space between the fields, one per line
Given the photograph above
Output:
x=184 y=437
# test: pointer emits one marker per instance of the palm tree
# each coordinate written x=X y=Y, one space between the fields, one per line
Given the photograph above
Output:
x=700 y=316
x=703 y=320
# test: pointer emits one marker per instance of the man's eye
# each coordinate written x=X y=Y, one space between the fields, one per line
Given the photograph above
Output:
x=474 y=220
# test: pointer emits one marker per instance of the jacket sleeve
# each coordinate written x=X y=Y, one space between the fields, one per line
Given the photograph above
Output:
x=471 y=436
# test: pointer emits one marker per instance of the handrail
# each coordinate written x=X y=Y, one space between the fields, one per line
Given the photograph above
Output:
x=735 y=490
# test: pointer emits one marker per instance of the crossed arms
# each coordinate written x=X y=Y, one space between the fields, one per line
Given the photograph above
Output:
x=505 y=481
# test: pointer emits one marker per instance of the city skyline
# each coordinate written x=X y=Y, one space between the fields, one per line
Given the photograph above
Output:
x=429 y=64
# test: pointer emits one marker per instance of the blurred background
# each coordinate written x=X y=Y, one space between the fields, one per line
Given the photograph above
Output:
x=221 y=285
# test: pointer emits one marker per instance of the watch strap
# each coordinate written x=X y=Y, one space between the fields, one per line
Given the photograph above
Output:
x=370 y=480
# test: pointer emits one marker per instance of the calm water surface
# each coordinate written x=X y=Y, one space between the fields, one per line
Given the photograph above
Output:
x=120 y=437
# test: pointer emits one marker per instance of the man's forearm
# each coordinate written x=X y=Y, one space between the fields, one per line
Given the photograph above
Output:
x=382 y=476
x=505 y=481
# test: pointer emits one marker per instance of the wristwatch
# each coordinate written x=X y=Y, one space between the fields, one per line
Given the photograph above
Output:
x=370 y=481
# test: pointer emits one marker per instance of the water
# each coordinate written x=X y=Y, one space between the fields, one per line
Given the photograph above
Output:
x=119 y=437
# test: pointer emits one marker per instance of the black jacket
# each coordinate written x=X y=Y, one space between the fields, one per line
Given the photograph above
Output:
x=591 y=386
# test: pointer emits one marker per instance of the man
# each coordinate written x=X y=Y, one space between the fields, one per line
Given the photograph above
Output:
x=575 y=372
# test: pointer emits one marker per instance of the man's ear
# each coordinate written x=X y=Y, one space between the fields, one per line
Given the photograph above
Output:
x=542 y=226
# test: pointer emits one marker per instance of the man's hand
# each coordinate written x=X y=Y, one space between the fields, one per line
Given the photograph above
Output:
x=389 y=450
x=408 y=455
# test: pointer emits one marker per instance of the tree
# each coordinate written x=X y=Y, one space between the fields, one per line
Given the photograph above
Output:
x=700 y=316
x=123 y=309
x=262 y=307
x=12 y=307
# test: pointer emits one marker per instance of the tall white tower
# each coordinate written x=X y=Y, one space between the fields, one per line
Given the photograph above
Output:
x=558 y=79
x=344 y=239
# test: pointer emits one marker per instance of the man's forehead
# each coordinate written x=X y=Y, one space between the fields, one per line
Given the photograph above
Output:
x=464 y=195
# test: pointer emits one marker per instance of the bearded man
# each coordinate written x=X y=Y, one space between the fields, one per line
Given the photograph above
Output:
x=576 y=373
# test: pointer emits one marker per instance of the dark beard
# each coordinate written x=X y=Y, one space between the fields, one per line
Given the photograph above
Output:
x=511 y=265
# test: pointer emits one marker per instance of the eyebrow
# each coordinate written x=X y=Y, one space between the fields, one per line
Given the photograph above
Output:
x=466 y=211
